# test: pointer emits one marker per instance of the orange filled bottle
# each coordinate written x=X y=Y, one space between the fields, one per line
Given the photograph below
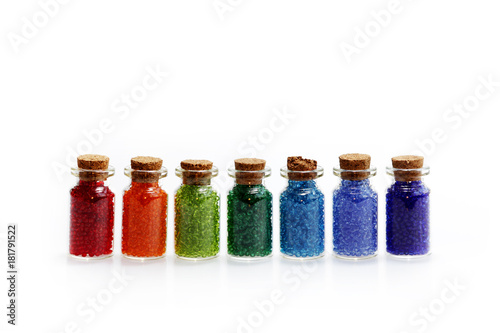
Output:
x=144 y=222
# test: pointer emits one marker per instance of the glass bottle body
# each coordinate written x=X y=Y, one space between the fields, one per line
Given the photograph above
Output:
x=355 y=220
x=197 y=215
x=249 y=221
x=196 y=222
x=91 y=220
x=302 y=220
x=144 y=219
x=408 y=219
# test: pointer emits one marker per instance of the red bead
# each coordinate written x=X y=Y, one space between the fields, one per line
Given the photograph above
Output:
x=91 y=219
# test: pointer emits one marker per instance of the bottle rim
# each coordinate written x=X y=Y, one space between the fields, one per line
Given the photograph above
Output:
x=110 y=171
x=179 y=172
x=264 y=173
x=317 y=173
x=337 y=171
x=424 y=171
x=161 y=173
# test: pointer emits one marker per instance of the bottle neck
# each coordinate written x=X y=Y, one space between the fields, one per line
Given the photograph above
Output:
x=408 y=184
x=355 y=183
x=91 y=183
x=247 y=185
x=139 y=185
x=249 y=182
x=301 y=184
x=197 y=181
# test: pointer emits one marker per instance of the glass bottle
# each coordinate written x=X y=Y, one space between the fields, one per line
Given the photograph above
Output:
x=197 y=211
x=144 y=219
x=92 y=209
x=355 y=209
x=302 y=210
x=249 y=211
x=407 y=208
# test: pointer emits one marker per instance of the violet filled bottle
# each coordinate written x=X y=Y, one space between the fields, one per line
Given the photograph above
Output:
x=407 y=208
x=355 y=209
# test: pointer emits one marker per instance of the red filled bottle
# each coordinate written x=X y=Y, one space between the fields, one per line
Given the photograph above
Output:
x=92 y=209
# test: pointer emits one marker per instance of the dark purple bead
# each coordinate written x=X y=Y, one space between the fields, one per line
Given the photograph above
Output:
x=407 y=213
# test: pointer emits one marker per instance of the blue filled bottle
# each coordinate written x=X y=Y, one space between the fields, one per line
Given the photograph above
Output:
x=355 y=209
x=302 y=211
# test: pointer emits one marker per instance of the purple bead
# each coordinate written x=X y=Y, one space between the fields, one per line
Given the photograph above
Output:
x=407 y=210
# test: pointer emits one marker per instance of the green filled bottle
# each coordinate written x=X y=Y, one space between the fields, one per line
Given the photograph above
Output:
x=197 y=214
x=249 y=211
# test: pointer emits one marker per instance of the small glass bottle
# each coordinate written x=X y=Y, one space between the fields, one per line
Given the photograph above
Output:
x=92 y=209
x=302 y=210
x=144 y=219
x=197 y=211
x=355 y=212
x=407 y=208
x=249 y=211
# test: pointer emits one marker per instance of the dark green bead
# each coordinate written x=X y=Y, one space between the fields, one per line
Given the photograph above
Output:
x=249 y=221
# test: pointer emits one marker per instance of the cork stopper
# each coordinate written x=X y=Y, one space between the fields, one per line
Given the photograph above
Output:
x=145 y=163
x=297 y=163
x=355 y=162
x=249 y=164
x=407 y=162
x=93 y=162
x=196 y=178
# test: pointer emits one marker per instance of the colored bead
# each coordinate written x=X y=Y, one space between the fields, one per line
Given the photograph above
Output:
x=91 y=219
x=249 y=221
x=196 y=221
x=355 y=219
x=302 y=219
x=407 y=212
x=144 y=222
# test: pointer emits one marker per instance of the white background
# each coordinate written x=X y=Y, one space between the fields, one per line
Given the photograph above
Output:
x=228 y=74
